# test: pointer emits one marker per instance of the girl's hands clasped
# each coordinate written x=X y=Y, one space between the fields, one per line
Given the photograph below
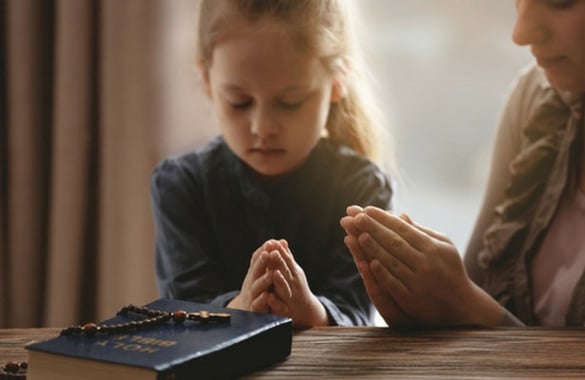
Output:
x=291 y=296
x=275 y=283
x=255 y=287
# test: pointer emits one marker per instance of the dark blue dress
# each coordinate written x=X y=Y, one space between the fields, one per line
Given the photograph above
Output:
x=211 y=212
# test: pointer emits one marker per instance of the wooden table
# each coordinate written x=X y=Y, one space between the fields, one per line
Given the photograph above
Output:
x=374 y=352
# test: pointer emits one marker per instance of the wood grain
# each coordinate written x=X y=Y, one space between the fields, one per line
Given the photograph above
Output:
x=372 y=352
x=449 y=354
x=12 y=342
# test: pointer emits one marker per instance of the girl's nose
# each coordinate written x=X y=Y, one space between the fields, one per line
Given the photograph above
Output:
x=263 y=125
x=530 y=28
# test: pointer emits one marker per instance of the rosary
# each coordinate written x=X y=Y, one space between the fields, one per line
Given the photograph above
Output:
x=150 y=318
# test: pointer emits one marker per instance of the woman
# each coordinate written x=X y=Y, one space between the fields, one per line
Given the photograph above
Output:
x=525 y=263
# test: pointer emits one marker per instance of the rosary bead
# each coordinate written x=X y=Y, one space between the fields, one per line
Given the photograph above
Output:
x=13 y=370
x=150 y=318
x=119 y=328
x=153 y=313
x=90 y=329
x=12 y=367
x=179 y=316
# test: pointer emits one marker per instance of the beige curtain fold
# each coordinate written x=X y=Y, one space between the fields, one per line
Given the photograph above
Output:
x=80 y=102
x=129 y=117
x=72 y=232
x=28 y=137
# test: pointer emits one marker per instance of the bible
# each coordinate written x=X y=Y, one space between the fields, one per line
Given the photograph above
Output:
x=164 y=340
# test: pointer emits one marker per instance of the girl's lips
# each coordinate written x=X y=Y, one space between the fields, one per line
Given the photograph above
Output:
x=267 y=151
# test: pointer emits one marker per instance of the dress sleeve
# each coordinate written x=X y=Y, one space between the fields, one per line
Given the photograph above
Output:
x=342 y=291
x=185 y=268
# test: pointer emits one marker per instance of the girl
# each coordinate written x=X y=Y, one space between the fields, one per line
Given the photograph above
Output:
x=526 y=257
x=251 y=220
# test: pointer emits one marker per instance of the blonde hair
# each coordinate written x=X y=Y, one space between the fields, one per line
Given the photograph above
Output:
x=322 y=26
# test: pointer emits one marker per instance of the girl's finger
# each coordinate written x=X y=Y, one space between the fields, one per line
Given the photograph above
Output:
x=277 y=306
x=261 y=284
x=260 y=303
x=279 y=261
x=281 y=286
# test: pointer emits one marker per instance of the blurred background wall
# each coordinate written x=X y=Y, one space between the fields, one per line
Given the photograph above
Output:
x=94 y=92
x=445 y=67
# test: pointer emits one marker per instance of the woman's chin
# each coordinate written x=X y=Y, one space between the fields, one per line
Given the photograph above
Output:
x=565 y=82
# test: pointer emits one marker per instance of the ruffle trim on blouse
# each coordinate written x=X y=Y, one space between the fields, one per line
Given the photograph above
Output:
x=555 y=116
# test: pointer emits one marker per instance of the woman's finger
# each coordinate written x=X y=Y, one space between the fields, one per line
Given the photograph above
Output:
x=386 y=306
x=354 y=248
x=353 y=210
x=399 y=269
x=349 y=225
x=426 y=230
x=392 y=242
x=391 y=284
x=400 y=227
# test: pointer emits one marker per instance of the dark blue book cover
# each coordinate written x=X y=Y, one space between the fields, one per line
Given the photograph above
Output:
x=247 y=342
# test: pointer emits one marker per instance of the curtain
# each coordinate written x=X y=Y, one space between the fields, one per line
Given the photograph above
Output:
x=79 y=111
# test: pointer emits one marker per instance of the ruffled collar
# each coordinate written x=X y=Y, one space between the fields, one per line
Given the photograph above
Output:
x=544 y=159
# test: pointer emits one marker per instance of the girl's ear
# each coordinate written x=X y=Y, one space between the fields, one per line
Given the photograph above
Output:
x=338 y=89
x=339 y=86
x=204 y=72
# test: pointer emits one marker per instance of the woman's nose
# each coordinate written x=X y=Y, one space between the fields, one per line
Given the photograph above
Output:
x=530 y=28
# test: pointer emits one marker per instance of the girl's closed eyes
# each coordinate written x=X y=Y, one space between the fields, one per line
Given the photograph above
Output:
x=289 y=104
x=241 y=105
x=561 y=4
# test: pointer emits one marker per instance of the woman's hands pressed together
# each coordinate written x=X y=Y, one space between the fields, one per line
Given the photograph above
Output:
x=412 y=274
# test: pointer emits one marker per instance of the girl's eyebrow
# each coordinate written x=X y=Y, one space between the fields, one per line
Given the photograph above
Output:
x=296 y=88
x=292 y=88
x=231 y=87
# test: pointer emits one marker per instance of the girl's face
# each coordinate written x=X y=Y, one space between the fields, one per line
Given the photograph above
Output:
x=271 y=98
x=555 y=31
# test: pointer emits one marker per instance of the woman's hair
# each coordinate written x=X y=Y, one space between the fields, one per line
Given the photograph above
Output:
x=320 y=26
